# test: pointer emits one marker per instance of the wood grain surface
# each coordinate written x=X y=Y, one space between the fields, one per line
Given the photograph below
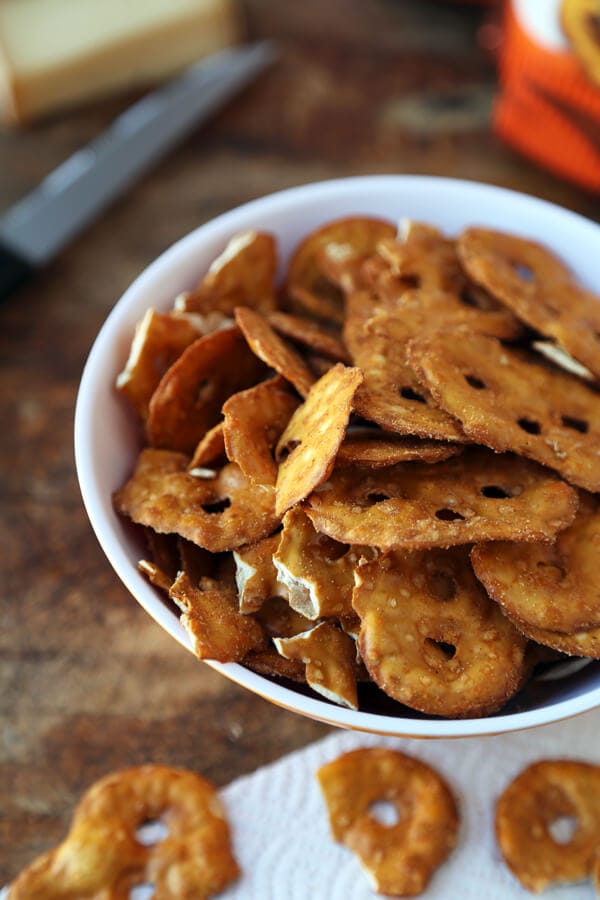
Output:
x=88 y=682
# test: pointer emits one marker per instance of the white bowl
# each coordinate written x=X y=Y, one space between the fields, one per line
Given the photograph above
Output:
x=107 y=441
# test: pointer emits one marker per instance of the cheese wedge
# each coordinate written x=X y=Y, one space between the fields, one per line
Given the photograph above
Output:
x=59 y=53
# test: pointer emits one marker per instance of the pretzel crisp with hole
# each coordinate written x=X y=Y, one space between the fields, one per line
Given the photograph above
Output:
x=160 y=338
x=330 y=658
x=307 y=448
x=391 y=395
x=473 y=497
x=542 y=794
x=398 y=859
x=189 y=397
x=550 y=586
x=219 y=513
x=508 y=402
x=242 y=275
x=428 y=261
x=273 y=350
x=538 y=287
x=211 y=618
x=432 y=639
x=318 y=573
x=101 y=856
x=254 y=420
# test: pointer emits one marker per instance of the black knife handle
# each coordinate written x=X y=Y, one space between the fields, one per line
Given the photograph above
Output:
x=14 y=269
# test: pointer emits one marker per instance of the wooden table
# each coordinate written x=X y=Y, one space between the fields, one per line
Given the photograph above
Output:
x=88 y=682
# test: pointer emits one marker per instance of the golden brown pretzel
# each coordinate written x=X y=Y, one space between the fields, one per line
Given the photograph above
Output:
x=101 y=858
x=401 y=858
x=540 y=796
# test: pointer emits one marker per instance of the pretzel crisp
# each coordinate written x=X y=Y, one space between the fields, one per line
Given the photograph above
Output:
x=508 y=402
x=538 y=287
x=160 y=338
x=101 y=856
x=242 y=275
x=273 y=350
x=256 y=576
x=432 y=639
x=210 y=449
x=426 y=260
x=188 y=400
x=585 y=642
x=477 y=496
x=307 y=448
x=377 y=449
x=211 y=617
x=254 y=421
x=352 y=238
x=391 y=394
x=311 y=335
x=550 y=586
x=533 y=802
x=330 y=658
x=318 y=573
x=218 y=513
x=398 y=859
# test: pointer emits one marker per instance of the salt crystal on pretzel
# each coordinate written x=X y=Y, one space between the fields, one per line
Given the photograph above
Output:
x=307 y=448
x=210 y=615
x=254 y=420
x=430 y=636
x=242 y=275
x=538 y=287
x=330 y=658
x=310 y=335
x=551 y=586
x=509 y=402
x=374 y=448
x=317 y=572
x=102 y=857
x=391 y=395
x=399 y=859
x=473 y=497
x=220 y=513
x=160 y=338
x=256 y=576
x=273 y=350
x=527 y=810
x=188 y=400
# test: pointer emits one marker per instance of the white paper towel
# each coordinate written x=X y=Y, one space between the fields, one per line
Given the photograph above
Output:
x=281 y=830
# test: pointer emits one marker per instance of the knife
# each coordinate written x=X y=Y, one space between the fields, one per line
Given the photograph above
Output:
x=37 y=227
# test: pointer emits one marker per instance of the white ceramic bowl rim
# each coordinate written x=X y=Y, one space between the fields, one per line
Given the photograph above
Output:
x=438 y=200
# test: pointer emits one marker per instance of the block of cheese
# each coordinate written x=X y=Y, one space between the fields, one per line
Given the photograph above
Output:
x=58 y=53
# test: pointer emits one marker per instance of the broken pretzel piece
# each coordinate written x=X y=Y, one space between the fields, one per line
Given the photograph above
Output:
x=213 y=622
x=330 y=658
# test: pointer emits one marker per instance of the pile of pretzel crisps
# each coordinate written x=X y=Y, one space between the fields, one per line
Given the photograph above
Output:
x=383 y=469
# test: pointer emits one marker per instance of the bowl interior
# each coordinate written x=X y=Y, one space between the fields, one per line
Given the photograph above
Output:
x=107 y=438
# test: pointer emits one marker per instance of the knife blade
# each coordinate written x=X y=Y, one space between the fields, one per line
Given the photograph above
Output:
x=38 y=226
